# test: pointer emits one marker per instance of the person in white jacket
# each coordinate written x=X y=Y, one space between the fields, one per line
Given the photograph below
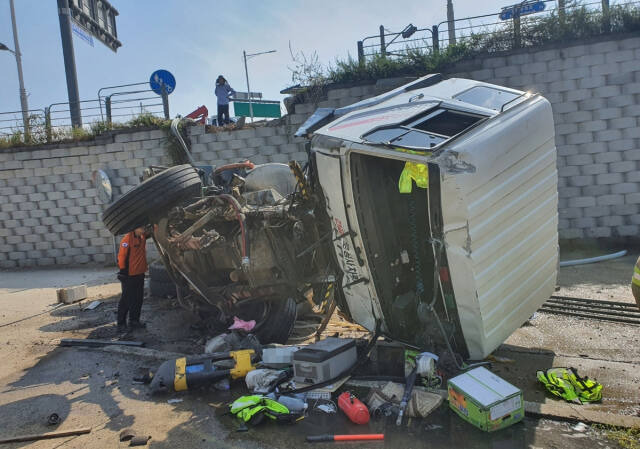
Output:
x=223 y=92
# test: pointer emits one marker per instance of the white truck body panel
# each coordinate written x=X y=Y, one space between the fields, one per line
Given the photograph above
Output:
x=498 y=183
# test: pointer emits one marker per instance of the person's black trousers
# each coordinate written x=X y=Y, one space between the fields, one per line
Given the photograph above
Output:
x=131 y=299
x=223 y=114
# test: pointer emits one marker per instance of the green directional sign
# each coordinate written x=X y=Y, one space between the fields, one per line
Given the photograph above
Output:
x=270 y=109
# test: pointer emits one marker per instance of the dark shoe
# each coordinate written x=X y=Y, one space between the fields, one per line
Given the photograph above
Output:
x=122 y=329
x=133 y=325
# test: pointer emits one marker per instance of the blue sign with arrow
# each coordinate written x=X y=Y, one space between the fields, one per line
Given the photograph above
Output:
x=521 y=9
x=162 y=79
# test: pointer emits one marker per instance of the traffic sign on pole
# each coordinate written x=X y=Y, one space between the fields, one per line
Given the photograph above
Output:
x=160 y=79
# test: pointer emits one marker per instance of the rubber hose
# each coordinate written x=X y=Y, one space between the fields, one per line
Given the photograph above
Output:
x=568 y=263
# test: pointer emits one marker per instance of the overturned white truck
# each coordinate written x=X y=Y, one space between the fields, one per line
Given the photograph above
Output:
x=430 y=212
x=471 y=250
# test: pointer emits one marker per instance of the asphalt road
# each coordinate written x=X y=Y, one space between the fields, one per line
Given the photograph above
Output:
x=95 y=388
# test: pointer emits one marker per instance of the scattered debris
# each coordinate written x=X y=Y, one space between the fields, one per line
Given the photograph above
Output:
x=69 y=295
x=385 y=401
x=127 y=434
x=93 y=343
x=92 y=305
x=190 y=372
x=278 y=356
x=139 y=440
x=174 y=401
x=327 y=438
x=53 y=419
x=46 y=436
x=239 y=324
x=568 y=385
x=485 y=400
x=261 y=380
x=580 y=427
x=353 y=408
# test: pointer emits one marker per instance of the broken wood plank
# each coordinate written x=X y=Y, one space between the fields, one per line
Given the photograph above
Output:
x=97 y=343
x=46 y=436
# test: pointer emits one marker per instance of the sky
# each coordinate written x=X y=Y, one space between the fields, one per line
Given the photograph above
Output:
x=197 y=40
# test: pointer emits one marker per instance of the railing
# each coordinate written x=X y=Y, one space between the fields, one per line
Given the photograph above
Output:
x=114 y=104
x=494 y=33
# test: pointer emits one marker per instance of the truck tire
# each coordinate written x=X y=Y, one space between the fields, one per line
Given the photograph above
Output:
x=159 y=289
x=160 y=283
x=274 y=319
x=158 y=272
x=154 y=195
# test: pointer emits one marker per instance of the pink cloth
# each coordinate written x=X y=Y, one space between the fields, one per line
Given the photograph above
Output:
x=241 y=324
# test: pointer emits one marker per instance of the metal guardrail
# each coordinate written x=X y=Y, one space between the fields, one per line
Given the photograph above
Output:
x=114 y=104
x=503 y=34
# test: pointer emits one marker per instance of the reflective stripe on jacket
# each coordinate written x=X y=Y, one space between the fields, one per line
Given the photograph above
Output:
x=133 y=254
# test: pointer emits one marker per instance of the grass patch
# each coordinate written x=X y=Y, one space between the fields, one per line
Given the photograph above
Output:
x=579 y=22
x=39 y=135
x=625 y=438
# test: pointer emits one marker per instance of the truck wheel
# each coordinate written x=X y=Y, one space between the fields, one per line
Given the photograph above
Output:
x=159 y=289
x=160 y=283
x=274 y=319
x=152 y=196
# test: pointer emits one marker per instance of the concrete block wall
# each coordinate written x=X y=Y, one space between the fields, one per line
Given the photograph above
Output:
x=49 y=210
x=594 y=89
x=260 y=144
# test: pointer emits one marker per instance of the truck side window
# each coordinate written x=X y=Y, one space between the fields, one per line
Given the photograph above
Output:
x=487 y=97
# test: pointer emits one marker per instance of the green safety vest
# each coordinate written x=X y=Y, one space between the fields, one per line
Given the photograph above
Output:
x=567 y=384
x=252 y=408
x=635 y=282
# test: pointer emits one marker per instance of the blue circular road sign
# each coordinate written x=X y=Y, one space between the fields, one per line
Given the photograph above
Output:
x=160 y=79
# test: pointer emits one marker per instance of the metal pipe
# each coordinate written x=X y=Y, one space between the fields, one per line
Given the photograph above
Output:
x=568 y=263
x=591 y=301
x=23 y=93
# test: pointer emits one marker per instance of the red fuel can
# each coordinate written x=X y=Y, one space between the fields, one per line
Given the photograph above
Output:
x=353 y=408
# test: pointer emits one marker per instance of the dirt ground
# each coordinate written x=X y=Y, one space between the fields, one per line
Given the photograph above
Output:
x=95 y=388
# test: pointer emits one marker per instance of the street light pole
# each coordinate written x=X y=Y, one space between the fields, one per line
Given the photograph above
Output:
x=23 y=93
x=246 y=72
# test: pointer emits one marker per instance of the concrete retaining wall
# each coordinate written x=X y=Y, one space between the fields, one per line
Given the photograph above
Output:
x=49 y=210
x=50 y=215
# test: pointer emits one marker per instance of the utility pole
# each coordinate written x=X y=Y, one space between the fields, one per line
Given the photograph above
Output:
x=451 y=24
x=23 y=93
x=64 y=14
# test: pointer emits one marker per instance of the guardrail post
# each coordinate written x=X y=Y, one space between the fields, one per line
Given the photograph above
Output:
x=360 y=53
x=606 y=16
x=107 y=106
x=47 y=123
x=383 y=50
x=435 y=39
x=165 y=102
x=451 y=23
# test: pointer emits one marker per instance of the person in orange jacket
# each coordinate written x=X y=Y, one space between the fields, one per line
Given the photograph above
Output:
x=132 y=262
